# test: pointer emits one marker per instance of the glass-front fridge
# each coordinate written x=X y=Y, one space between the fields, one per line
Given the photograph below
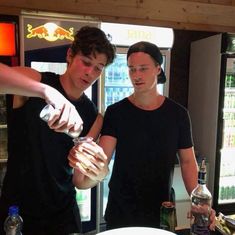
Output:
x=85 y=198
x=48 y=53
x=116 y=85
x=227 y=160
x=211 y=106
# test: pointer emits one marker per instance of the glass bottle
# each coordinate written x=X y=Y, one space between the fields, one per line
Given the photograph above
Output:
x=201 y=200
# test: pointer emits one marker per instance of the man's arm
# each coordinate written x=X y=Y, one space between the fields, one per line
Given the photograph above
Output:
x=189 y=168
x=21 y=81
x=25 y=82
x=94 y=132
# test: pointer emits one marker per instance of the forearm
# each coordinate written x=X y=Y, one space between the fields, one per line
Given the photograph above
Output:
x=190 y=175
x=94 y=132
x=13 y=82
x=82 y=181
x=189 y=168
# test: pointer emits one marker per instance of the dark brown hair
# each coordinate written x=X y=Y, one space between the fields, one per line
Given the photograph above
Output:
x=91 y=40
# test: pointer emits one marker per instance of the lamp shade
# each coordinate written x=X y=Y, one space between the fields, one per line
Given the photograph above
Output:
x=7 y=39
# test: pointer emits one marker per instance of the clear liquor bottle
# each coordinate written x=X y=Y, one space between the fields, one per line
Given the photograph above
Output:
x=201 y=200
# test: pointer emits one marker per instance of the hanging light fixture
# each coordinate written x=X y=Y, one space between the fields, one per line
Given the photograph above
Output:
x=7 y=39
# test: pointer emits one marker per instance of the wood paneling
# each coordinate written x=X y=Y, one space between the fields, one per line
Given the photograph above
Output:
x=205 y=15
x=179 y=69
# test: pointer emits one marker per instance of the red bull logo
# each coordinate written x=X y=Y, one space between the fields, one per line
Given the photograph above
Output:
x=50 y=32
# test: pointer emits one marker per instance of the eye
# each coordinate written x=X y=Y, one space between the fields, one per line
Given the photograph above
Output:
x=131 y=70
x=98 y=69
x=86 y=63
x=143 y=69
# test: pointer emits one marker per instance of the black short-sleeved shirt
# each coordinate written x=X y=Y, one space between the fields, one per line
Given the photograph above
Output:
x=147 y=143
x=38 y=177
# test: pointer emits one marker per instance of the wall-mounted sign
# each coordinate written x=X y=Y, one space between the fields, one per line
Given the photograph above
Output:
x=7 y=39
x=50 y=32
x=126 y=34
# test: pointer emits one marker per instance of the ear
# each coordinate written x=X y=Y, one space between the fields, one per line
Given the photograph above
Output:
x=69 y=56
x=158 y=69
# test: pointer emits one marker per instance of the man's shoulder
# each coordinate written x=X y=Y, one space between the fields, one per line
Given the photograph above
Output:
x=174 y=104
x=122 y=103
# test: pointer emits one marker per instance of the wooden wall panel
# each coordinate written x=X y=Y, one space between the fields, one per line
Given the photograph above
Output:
x=179 y=69
x=211 y=15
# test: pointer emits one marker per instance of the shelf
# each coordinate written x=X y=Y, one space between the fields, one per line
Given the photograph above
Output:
x=229 y=89
x=230 y=178
x=2 y=126
x=3 y=160
x=226 y=201
x=229 y=110
x=229 y=129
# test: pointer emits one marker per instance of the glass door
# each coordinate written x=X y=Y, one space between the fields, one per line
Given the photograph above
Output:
x=227 y=161
x=116 y=85
x=53 y=60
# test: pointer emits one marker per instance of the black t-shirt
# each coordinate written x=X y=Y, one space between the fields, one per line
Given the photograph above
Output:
x=147 y=143
x=38 y=177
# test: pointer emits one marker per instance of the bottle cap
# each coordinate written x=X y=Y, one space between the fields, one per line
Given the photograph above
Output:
x=13 y=210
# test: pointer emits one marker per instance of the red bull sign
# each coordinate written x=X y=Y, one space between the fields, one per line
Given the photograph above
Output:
x=50 y=32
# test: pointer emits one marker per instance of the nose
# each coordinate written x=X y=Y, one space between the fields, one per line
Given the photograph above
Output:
x=88 y=71
x=136 y=76
x=137 y=73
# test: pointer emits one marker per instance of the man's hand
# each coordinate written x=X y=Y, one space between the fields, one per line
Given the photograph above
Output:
x=204 y=210
x=89 y=159
x=64 y=117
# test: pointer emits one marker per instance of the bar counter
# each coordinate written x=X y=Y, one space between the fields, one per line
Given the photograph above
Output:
x=148 y=231
x=187 y=232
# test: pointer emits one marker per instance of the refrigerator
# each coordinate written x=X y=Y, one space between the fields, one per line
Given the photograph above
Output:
x=53 y=60
x=211 y=104
x=114 y=86
x=44 y=54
